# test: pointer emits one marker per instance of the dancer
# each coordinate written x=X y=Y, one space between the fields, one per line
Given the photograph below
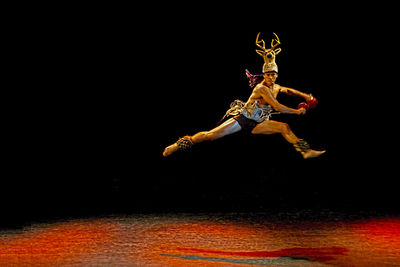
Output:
x=254 y=115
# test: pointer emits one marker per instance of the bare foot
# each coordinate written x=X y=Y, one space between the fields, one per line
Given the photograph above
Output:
x=170 y=149
x=312 y=153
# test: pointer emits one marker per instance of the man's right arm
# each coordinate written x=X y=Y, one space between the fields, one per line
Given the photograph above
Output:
x=268 y=97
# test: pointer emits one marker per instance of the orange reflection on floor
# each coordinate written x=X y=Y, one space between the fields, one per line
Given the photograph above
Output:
x=225 y=243
x=204 y=240
x=57 y=244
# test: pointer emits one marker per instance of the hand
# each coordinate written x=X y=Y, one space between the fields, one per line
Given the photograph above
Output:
x=308 y=97
x=302 y=108
x=312 y=102
x=303 y=105
x=301 y=111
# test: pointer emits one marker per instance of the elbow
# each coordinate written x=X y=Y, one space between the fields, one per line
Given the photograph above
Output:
x=279 y=108
x=284 y=109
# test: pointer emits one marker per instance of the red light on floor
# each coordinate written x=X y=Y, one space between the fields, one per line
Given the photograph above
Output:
x=312 y=254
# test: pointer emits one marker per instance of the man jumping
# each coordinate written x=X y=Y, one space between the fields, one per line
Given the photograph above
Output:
x=254 y=115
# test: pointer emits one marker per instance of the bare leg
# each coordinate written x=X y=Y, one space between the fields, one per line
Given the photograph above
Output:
x=272 y=127
x=228 y=127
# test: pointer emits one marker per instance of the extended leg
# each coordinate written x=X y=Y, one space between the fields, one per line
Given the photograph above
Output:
x=229 y=127
x=272 y=127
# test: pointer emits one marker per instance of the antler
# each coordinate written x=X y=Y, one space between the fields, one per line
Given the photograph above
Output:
x=278 y=50
x=265 y=50
x=276 y=40
x=260 y=52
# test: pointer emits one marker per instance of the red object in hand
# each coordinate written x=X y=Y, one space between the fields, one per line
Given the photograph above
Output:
x=303 y=105
x=312 y=102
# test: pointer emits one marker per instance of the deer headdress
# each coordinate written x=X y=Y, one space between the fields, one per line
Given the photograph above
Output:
x=268 y=54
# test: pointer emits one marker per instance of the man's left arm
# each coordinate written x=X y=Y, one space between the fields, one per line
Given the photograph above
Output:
x=294 y=92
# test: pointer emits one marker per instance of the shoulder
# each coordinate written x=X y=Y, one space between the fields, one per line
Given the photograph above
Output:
x=259 y=88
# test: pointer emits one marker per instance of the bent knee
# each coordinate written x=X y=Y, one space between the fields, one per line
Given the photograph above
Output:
x=284 y=127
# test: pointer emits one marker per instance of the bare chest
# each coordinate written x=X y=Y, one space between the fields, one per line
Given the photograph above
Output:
x=257 y=94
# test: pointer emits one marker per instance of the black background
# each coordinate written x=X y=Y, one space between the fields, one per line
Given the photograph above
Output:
x=100 y=93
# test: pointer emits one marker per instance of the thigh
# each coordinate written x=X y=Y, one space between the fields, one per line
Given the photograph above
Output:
x=228 y=127
x=268 y=127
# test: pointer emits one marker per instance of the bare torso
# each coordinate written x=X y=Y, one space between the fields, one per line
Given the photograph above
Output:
x=259 y=91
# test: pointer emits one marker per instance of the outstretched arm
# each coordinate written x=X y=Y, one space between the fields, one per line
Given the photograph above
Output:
x=268 y=98
x=294 y=92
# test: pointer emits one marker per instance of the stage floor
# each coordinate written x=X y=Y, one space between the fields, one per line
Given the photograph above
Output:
x=281 y=239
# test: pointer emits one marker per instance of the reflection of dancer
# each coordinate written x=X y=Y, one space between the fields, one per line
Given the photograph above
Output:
x=254 y=115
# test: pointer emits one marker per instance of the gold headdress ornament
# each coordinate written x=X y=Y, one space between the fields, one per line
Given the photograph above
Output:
x=268 y=54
